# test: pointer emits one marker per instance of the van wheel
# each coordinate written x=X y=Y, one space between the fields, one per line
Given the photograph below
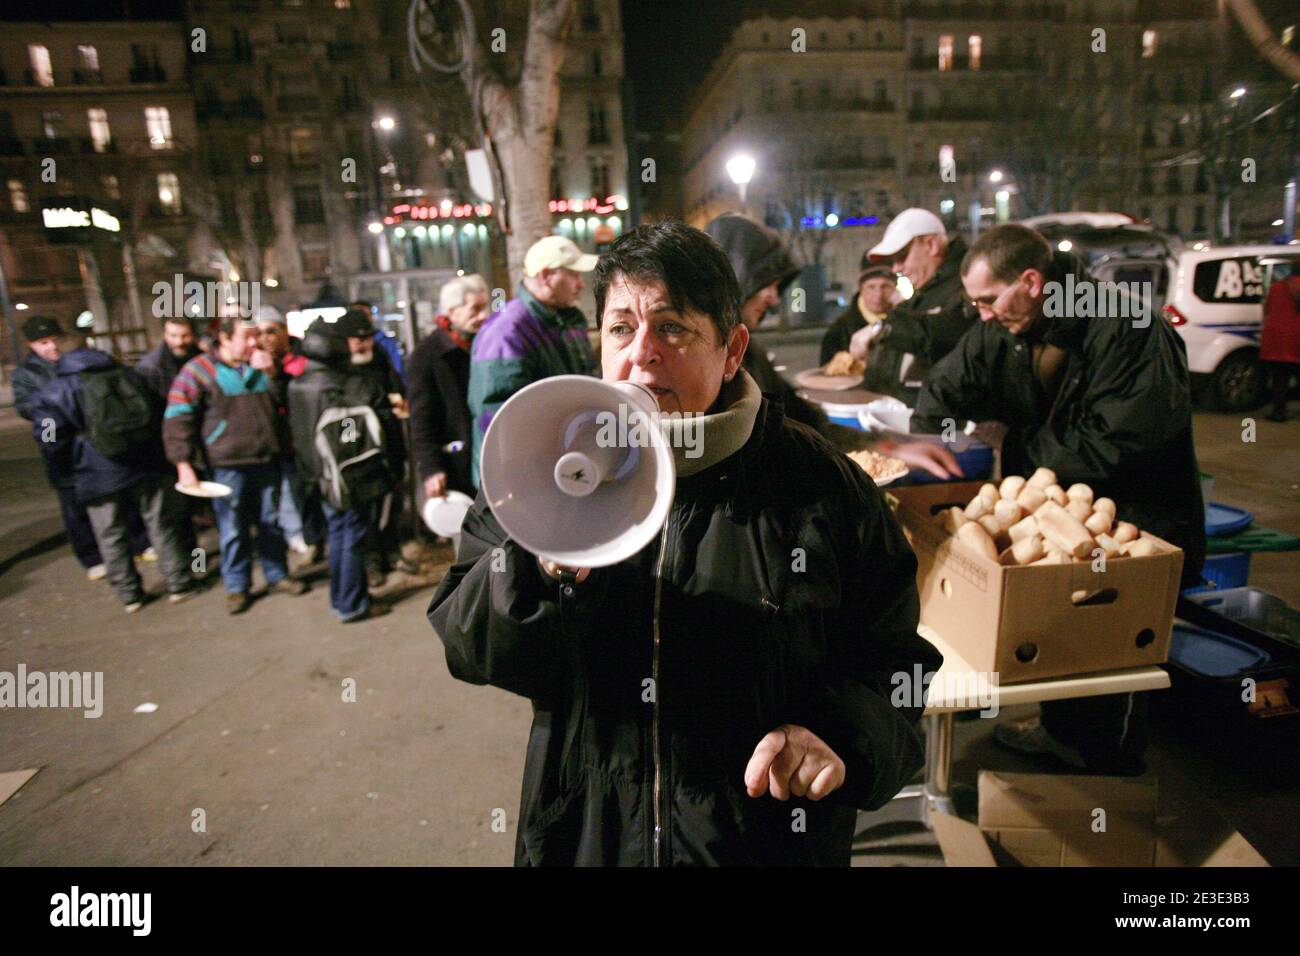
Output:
x=1238 y=384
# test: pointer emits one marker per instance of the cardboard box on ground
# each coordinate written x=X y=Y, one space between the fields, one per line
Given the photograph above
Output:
x=1036 y=622
x=1052 y=820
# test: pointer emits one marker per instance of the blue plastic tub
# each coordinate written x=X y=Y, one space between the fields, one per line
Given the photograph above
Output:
x=1207 y=653
x=1224 y=571
x=976 y=462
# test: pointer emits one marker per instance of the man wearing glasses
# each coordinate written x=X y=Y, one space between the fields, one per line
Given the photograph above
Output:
x=1099 y=399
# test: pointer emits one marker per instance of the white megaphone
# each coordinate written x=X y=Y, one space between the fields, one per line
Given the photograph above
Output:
x=577 y=471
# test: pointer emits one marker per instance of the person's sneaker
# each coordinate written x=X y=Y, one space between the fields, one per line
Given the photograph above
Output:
x=375 y=578
x=237 y=602
x=373 y=611
x=297 y=544
x=133 y=606
x=288 y=586
x=184 y=594
x=149 y=554
x=1035 y=741
x=96 y=573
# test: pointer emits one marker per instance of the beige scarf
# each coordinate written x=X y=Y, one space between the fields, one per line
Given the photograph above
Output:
x=720 y=434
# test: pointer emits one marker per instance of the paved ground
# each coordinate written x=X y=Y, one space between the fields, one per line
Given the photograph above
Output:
x=252 y=728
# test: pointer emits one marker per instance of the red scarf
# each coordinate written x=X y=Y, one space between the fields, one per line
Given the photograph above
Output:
x=444 y=323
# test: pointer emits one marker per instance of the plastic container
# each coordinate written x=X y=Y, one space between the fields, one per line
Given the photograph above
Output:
x=847 y=415
x=1225 y=519
x=1224 y=571
x=890 y=418
x=1209 y=654
x=1255 y=609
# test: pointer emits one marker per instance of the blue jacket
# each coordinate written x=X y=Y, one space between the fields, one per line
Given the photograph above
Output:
x=59 y=427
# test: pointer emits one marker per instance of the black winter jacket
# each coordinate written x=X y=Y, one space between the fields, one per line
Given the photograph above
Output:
x=31 y=375
x=1120 y=421
x=927 y=327
x=438 y=372
x=781 y=591
x=159 y=366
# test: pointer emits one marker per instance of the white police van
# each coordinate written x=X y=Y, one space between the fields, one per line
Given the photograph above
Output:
x=1214 y=297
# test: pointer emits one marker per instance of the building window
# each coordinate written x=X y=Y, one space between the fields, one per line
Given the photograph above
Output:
x=315 y=262
x=18 y=196
x=599 y=178
x=307 y=206
x=597 y=66
x=304 y=146
x=111 y=188
x=89 y=57
x=1148 y=44
x=255 y=154
x=42 y=69
x=596 y=131
x=169 y=193
x=99 y=132
x=947 y=160
x=158 y=122
x=1200 y=219
x=557 y=179
x=342 y=4
x=52 y=124
x=976 y=47
x=945 y=52
x=1172 y=224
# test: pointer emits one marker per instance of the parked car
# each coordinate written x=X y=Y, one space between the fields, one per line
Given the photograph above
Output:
x=1214 y=298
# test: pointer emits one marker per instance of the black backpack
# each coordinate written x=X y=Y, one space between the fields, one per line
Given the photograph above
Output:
x=122 y=413
x=351 y=444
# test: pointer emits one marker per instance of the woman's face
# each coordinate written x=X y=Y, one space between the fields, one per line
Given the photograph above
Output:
x=678 y=356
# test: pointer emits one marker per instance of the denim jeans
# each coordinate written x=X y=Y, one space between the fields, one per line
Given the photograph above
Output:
x=254 y=500
x=290 y=500
x=347 y=532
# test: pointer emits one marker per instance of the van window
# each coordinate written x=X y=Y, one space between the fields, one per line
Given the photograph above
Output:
x=1232 y=281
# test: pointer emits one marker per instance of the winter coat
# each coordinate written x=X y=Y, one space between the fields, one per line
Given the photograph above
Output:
x=1120 y=421
x=439 y=381
x=69 y=455
x=31 y=375
x=523 y=343
x=225 y=415
x=840 y=333
x=780 y=591
x=1279 y=339
x=925 y=327
x=159 y=366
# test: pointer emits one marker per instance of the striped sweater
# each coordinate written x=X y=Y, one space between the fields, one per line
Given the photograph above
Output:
x=523 y=343
x=222 y=416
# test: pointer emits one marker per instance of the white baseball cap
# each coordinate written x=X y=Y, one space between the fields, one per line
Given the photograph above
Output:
x=556 y=252
x=907 y=225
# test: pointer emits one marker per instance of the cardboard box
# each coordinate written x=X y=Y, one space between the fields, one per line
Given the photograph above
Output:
x=1033 y=623
x=1052 y=820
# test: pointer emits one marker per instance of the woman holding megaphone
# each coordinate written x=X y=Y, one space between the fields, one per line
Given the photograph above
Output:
x=722 y=696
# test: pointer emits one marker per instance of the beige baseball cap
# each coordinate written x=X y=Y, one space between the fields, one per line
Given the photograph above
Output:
x=907 y=225
x=556 y=252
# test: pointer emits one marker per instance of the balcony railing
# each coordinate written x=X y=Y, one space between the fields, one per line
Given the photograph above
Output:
x=85 y=77
x=144 y=73
x=951 y=113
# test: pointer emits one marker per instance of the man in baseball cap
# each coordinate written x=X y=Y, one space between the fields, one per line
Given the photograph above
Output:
x=537 y=334
x=877 y=289
x=922 y=329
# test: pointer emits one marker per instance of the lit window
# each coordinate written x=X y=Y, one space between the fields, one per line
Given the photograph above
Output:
x=976 y=47
x=18 y=196
x=304 y=148
x=111 y=189
x=1148 y=43
x=947 y=161
x=158 y=121
x=169 y=193
x=52 y=123
x=342 y=4
x=99 y=132
x=945 y=52
x=42 y=69
x=89 y=57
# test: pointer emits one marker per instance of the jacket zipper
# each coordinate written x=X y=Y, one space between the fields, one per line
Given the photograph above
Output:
x=659 y=816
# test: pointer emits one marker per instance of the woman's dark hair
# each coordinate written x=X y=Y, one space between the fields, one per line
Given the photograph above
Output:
x=693 y=268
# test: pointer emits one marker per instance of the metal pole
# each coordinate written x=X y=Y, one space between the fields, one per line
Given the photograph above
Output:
x=7 y=309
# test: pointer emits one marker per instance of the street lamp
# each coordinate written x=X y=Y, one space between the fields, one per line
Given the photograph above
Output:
x=386 y=123
x=995 y=176
x=741 y=170
x=1238 y=93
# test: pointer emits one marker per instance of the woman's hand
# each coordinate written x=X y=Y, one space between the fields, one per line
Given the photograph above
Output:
x=793 y=760
x=553 y=570
x=927 y=456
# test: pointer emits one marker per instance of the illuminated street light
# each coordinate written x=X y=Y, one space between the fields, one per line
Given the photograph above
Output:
x=386 y=123
x=741 y=170
x=995 y=176
x=832 y=220
x=376 y=228
x=1065 y=245
x=21 y=306
x=1238 y=93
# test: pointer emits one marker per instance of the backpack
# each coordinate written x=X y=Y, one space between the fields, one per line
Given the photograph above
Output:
x=351 y=445
x=122 y=413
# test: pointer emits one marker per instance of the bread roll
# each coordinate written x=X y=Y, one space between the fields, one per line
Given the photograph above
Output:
x=1024 y=551
x=1042 y=478
x=1056 y=493
x=1124 y=532
x=1025 y=528
x=1065 y=531
x=1011 y=487
x=1105 y=504
x=951 y=519
x=1080 y=509
x=1099 y=522
x=978 y=540
x=1079 y=492
x=1030 y=499
x=1006 y=512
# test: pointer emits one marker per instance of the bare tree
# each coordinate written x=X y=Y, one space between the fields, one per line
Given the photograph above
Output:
x=513 y=92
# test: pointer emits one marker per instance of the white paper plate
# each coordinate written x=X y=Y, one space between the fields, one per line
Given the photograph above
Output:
x=205 y=489
x=444 y=515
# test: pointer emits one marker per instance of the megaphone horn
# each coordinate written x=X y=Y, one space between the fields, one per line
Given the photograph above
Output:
x=576 y=470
